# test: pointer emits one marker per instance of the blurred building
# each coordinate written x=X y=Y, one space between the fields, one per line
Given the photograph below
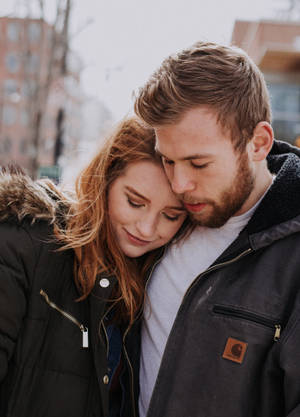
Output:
x=275 y=48
x=31 y=79
x=97 y=122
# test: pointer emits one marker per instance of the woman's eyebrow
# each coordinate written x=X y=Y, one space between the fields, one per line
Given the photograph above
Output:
x=133 y=191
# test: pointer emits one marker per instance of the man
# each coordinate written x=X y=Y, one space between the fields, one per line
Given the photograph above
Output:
x=220 y=334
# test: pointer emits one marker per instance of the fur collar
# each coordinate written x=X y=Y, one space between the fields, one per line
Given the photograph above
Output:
x=21 y=197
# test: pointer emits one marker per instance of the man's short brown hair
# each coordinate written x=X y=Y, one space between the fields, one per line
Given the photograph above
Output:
x=222 y=78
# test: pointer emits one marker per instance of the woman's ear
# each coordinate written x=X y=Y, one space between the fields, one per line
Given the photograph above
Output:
x=261 y=141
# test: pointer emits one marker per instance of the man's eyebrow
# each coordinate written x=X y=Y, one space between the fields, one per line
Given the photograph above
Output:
x=186 y=158
x=133 y=191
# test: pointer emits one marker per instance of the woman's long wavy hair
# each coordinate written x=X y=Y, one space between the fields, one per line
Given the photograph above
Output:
x=88 y=230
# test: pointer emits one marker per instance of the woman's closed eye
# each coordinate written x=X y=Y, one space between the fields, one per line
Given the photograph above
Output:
x=133 y=203
x=172 y=217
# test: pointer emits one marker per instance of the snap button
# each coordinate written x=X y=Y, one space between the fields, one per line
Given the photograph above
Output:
x=104 y=282
x=105 y=379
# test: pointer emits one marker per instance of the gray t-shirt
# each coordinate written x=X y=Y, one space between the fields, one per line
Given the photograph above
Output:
x=182 y=263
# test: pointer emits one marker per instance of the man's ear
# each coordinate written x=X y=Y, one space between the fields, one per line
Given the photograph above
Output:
x=261 y=142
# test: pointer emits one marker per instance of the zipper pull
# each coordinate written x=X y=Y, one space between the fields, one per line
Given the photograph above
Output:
x=85 y=336
x=277 y=332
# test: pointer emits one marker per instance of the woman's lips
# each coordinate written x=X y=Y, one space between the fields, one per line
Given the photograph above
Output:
x=135 y=240
x=194 y=207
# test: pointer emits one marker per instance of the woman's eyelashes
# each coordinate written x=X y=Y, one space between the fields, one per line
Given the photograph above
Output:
x=172 y=218
x=135 y=204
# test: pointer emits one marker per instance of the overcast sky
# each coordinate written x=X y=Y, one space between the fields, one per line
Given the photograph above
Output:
x=123 y=41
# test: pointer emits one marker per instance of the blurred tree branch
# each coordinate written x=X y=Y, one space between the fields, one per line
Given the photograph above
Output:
x=52 y=66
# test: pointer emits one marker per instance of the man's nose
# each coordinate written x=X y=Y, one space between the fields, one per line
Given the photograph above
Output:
x=181 y=182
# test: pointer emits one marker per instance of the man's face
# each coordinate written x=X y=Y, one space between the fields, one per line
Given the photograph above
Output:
x=210 y=177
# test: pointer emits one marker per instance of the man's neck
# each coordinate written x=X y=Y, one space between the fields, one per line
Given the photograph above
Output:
x=262 y=183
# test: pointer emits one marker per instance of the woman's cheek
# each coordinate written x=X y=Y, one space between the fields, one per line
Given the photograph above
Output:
x=171 y=230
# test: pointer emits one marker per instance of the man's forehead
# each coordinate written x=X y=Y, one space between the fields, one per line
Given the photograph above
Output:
x=175 y=144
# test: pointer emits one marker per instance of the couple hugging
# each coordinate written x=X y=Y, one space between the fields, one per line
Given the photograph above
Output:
x=168 y=284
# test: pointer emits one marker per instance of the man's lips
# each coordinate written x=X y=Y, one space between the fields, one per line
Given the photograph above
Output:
x=194 y=207
x=135 y=240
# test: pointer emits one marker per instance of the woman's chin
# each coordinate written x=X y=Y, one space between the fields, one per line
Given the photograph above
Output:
x=134 y=252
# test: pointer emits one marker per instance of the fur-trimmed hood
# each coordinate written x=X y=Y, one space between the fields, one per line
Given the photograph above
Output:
x=21 y=197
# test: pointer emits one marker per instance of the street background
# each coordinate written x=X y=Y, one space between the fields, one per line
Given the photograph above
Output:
x=117 y=45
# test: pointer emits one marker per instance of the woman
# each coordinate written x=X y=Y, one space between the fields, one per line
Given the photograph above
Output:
x=71 y=276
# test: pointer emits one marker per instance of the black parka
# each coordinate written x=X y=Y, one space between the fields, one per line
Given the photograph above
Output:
x=45 y=370
x=234 y=348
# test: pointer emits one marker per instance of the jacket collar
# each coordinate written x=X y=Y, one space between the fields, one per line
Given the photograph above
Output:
x=278 y=214
x=282 y=202
x=98 y=300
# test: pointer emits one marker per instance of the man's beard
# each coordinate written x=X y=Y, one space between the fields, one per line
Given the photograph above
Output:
x=232 y=199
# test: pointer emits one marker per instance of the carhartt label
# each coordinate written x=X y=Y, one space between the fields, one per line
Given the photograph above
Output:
x=235 y=350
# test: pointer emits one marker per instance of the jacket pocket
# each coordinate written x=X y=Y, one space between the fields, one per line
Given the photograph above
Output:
x=83 y=329
x=250 y=316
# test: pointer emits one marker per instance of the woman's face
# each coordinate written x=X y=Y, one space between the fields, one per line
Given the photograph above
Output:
x=144 y=212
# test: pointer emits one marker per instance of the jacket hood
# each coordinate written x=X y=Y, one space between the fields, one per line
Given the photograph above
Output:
x=278 y=215
x=21 y=197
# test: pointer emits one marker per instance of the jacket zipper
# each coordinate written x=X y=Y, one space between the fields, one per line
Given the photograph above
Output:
x=214 y=267
x=104 y=328
x=131 y=372
x=126 y=332
x=233 y=312
x=83 y=329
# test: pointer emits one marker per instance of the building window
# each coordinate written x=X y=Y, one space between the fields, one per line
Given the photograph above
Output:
x=23 y=147
x=48 y=144
x=285 y=98
x=12 y=62
x=10 y=87
x=29 y=88
x=285 y=102
x=34 y=32
x=13 y=31
x=24 y=116
x=9 y=115
x=7 y=145
x=32 y=63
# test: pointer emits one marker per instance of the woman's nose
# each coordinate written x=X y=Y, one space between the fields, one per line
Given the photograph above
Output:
x=147 y=226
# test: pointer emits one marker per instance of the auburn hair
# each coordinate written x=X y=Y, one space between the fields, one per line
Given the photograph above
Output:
x=222 y=78
x=88 y=229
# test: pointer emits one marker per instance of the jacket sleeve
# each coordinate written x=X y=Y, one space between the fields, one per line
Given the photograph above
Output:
x=289 y=359
x=16 y=253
